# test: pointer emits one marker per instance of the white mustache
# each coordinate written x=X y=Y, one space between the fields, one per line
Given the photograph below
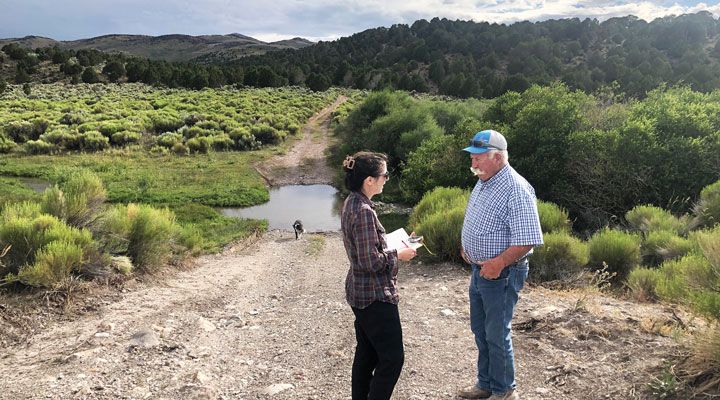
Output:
x=476 y=171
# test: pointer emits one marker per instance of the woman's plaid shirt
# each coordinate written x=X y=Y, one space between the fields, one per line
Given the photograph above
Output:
x=373 y=269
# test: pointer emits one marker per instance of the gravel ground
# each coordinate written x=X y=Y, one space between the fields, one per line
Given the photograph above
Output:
x=270 y=321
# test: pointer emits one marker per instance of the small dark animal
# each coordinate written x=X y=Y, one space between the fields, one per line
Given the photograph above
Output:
x=299 y=230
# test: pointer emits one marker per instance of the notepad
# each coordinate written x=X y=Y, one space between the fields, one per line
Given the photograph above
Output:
x=399 y=239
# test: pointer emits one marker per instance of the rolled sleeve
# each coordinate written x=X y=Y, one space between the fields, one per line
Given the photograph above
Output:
x=523 y=219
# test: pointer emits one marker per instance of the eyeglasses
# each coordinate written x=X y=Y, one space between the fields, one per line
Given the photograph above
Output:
x=482 y=143
x=386 y=175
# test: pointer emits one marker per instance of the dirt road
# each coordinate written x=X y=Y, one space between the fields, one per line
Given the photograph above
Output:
x=268 y=320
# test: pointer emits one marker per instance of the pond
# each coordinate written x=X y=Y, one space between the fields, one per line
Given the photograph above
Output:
x=36 y=184
x=318 y=206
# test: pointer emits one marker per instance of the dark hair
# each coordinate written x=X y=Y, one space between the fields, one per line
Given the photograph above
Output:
x=361 y=165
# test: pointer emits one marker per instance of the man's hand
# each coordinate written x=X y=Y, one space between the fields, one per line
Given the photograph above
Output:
x=492 y=268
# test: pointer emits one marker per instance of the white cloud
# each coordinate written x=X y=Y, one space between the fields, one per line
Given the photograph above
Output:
x=271 y=20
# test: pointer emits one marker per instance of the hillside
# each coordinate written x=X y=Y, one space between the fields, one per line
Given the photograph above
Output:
x=480 y=59
x=207 y=48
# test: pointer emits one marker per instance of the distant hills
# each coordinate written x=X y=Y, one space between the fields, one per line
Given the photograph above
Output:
x=624 y=55
x=203 y=49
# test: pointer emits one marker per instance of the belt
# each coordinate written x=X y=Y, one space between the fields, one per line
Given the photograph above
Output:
x=521 y=260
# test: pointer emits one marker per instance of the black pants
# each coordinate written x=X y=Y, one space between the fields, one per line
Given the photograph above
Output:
x=379 y=350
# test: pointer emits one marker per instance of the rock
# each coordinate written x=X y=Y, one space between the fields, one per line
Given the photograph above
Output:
x=542 y=390
x=102 y=335
x=144 y=338
x=253 y=312
x=205 y=325
x=198 y=392
x=201 y=377
x=106 y=326
x=446 y=312
x=277 y=388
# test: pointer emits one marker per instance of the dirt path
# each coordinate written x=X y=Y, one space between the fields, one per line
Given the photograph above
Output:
x=268 y=320
x=305 y=163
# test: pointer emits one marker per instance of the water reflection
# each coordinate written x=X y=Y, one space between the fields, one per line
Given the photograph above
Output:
x=36 y=184
x=318 y=206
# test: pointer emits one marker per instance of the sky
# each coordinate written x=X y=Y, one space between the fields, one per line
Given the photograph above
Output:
x=272 y=20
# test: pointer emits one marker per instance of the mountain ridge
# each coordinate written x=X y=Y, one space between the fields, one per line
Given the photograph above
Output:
x=169 y=47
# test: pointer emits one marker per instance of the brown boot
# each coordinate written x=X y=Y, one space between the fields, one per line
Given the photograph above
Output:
x=474 y=392
x=509 y=395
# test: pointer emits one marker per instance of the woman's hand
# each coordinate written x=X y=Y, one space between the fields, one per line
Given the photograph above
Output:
x=406 y=254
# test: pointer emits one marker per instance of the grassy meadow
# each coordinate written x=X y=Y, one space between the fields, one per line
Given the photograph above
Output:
x=187 y=151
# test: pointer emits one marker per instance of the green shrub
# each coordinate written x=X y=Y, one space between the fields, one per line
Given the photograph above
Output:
x=38 y=147
x=200 y=144
x=150 y=237
x=123 y=138
x=442 y=231
x=619 y=250
x=54 y=203
x=192 y=239
x=438 y=200
x=114 y=225
x=6 y=144
x=243 y=139
x=122 y=265
x=72 y=119
x=180 y=149
x=93 y=141
x=222 y=142
x=553 y=218
x=293 y=129
x=672 y=284
x=84 y=196
x=170 y=139
x=165 y=123
x=25 y=209
x=709 y=243
x=651 y=219
x=437 y=162
x=692 y=280
x=707 y=210
x=266 y=134
x=53 y=264
x=659 y=246
x=643 y=283
x=561 y=257
x=28 y=235
x=22 y=131
x=62 y=137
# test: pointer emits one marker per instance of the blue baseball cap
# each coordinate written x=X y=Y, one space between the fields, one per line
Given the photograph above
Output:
x=486 y=140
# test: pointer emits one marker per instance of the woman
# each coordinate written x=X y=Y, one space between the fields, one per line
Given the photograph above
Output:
x=371 y=283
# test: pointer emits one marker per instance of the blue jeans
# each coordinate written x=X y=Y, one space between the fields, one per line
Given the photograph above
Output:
x=492 y=303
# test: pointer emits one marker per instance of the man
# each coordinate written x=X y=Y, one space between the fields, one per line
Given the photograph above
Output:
x=501 y=228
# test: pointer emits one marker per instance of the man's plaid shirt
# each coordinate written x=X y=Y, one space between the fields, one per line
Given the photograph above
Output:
x=501 y=213
x=373 y=269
